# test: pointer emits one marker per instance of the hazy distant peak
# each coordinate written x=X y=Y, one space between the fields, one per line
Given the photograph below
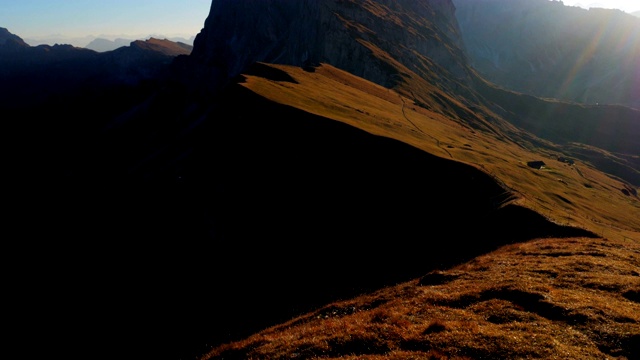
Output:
x=102 y=45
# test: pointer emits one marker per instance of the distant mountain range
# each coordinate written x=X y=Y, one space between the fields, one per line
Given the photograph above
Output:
x=102 y=45
x=102 y=42
x=32 y=74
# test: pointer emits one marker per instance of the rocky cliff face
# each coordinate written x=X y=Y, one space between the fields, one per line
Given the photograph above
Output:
x=546 y=49
x=419 y=49
x=366 y=38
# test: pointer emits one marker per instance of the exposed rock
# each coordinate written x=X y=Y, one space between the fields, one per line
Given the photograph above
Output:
x=546 y=49
x=363 y=38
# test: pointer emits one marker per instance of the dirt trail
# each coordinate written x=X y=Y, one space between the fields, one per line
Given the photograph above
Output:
x=420 y=130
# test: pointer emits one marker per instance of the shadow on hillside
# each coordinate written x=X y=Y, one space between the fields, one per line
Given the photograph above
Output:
x=203 y=229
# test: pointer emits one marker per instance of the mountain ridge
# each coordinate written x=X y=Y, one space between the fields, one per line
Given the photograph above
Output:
x=7 y=37
x=100 y=44
x=281 y=88
x=453 y=88
x=219 y=199
x=32 y=73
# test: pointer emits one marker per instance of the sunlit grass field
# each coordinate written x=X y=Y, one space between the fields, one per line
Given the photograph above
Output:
x=575 y=194
x=551 y=298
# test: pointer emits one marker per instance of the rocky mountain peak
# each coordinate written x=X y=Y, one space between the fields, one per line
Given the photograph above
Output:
x=367 y=38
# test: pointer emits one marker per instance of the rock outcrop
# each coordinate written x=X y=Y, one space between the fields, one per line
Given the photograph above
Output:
x=365 y=38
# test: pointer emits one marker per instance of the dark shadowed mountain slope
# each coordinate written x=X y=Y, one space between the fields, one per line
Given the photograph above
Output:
x=190 y=218
x=236 y=214
x=33 y=74
x=549 y=50
x=374 y=40
x=9 y=40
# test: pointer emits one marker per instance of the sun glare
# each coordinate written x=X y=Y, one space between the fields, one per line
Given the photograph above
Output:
x=614 y=34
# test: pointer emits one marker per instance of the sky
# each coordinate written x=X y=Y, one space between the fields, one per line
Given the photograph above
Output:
x=37 y=19
x=82 y=18
x=629 y=6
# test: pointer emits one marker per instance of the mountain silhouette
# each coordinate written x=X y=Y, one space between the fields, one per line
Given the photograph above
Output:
x=304 y=153
x=102 y=45
x=10 y=41
x=34 y=74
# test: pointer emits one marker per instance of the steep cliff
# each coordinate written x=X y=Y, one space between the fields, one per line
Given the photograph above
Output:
x=417 y=49
x=546 y=49
x=366 y=38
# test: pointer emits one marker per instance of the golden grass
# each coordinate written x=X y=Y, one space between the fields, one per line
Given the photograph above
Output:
x=572 y=298
x=548 y=298
x=578 y=195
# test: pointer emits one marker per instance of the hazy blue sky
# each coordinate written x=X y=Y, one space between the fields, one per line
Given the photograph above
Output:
x=79 y=18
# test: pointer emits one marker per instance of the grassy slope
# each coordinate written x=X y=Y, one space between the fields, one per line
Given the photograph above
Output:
x=578 y=195
x=571 y=298
x=550 y=298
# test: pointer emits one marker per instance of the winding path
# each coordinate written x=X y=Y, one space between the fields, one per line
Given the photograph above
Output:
x=420 y=130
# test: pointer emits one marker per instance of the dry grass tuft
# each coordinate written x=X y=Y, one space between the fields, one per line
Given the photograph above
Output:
x=521 y=301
